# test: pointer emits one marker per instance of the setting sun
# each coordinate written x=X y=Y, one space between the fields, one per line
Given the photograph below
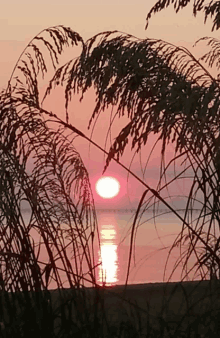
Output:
x=107 y=187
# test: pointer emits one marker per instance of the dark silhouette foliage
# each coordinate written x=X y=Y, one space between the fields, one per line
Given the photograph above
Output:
x=164 y=91
x=40 y=166
x=210 y=9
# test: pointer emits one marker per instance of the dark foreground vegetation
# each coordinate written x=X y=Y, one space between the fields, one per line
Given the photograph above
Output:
x=183 y=309
x=164 y=91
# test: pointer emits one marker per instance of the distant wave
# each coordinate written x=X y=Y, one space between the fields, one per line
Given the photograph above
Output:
x=129 y=211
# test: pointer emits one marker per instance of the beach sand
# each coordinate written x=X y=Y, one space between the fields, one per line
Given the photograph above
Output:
x=156 y=302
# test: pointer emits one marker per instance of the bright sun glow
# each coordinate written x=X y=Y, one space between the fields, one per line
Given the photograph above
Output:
x=107 y=187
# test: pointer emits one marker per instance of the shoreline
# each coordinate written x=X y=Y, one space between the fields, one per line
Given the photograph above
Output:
x=169 y=302
x=149 y=302
x=174 y=297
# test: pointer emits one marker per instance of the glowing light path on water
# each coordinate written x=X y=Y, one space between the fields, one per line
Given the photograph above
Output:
x=108 y=255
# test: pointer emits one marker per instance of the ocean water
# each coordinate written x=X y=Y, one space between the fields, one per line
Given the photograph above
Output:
x=152 y=242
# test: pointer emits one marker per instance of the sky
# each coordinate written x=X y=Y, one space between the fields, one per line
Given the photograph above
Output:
x=21 y=20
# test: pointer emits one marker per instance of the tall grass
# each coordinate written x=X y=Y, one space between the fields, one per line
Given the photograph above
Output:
x=41 y=169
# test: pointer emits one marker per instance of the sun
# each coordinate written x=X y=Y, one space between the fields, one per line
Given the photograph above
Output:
x=107 y=187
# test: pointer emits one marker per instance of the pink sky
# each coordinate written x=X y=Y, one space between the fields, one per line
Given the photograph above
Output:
x=21 y=20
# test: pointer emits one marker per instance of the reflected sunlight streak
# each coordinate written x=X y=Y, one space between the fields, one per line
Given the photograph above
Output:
x=108 y=256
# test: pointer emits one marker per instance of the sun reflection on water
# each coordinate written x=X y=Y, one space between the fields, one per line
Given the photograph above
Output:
x=108 y=273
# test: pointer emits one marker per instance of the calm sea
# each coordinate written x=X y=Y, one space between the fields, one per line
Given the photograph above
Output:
x=152 y=243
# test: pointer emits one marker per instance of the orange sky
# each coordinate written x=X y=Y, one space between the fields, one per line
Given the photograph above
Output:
x=21 y=20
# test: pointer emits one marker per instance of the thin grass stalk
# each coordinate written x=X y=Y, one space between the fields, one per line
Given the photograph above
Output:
x=154 y=192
